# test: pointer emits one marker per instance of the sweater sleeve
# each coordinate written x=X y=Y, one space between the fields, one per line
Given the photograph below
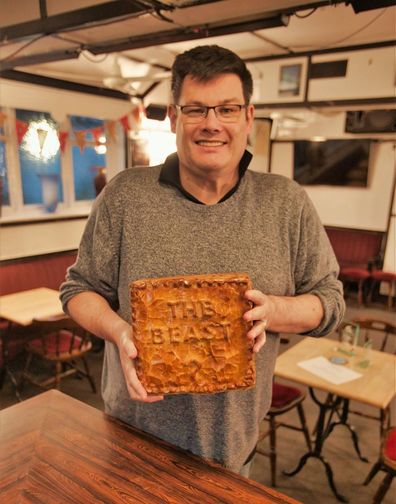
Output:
x=316 y=269
x=97 y=265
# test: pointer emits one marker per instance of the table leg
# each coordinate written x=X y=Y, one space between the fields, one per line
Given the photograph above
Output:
x=328 y=405
x=343 y=420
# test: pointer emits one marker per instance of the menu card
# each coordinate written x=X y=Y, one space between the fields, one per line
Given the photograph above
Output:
x=333 y=373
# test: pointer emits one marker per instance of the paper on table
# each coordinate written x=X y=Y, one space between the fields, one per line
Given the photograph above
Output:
x=333 y=373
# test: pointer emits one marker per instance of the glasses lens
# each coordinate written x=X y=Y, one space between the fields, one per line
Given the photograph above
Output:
x=228 y=113
x=225 y=113
x=194 y=112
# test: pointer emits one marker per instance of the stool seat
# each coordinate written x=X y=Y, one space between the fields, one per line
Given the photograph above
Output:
x=383 y=276
x=355 y=273
x=389 y=450
x=378 y=276
x=283 y=396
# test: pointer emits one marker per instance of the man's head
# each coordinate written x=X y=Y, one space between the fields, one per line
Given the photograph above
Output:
x=205 y=63
x=211 y=114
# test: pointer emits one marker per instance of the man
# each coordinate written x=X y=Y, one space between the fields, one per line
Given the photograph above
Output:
x=202 y=212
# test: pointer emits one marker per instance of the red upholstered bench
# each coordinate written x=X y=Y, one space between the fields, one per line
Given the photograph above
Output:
x=28 y=273
x=357 y=252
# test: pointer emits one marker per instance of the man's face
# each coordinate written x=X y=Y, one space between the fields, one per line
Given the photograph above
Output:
x=211 y=146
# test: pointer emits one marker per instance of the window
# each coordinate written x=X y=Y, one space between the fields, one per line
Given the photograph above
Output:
x=39 y=157
x=89 y=156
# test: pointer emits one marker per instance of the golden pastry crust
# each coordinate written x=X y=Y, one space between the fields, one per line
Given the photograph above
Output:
x=190 y=335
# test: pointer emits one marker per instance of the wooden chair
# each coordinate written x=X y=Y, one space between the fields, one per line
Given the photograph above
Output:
x=382 y=332
x=386 y=463
x=62 y=343
x=284 y=399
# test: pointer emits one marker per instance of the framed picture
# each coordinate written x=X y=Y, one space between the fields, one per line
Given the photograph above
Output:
x=289 y=81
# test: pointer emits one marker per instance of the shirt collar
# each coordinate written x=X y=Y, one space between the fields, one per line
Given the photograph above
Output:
x=170 y=175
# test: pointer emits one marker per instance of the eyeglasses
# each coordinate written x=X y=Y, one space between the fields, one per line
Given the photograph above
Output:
x=225 y=113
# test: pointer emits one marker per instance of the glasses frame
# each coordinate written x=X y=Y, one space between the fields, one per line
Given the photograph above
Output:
x=206 y=108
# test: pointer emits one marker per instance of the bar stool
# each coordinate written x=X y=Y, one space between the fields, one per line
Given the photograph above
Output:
x=386 y=463
x=355 y=275
x=378 y=276
x=284 y=398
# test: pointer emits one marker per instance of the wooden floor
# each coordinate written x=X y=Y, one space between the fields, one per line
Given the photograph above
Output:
x=310 y=485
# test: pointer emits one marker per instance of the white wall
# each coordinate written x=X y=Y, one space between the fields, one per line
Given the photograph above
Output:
x=350 y=207
x=40 y=238
x=370 y=74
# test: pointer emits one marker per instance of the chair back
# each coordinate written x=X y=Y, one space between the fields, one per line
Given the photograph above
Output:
x=381 y=332
x=59 y=337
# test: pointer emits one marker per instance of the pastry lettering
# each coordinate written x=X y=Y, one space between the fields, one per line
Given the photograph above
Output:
x=181 y=334
x=191 y=309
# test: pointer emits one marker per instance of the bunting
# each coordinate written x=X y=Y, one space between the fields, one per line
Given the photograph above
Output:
x=80 y=139
x=21 y=129
x=42 y=136
x=131 y=120
x=124 y=120
x=3 y=117
x=63 y=136
x=111 y=129
x=97 y=133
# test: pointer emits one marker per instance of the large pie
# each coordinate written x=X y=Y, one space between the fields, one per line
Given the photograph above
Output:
x=190 y=335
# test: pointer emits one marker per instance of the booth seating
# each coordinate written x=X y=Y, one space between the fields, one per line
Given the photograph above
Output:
x=358 y=251
x=29 y=273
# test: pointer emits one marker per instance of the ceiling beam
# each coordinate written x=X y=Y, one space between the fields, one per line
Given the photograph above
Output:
x=72 y=19
x=35 y=59
x=190 y=33
x=331 y=50
x=62 y=84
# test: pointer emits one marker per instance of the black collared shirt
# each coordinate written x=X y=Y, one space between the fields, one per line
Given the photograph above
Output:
x=170 y=175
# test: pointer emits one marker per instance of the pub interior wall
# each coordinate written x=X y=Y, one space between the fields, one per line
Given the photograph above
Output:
x=365 y=208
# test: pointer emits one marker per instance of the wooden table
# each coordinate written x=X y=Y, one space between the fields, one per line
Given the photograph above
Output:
x=376 y=387
x=21 y=308
x=57 y=449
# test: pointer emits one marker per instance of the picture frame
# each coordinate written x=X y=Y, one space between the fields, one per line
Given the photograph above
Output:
x=290 y=80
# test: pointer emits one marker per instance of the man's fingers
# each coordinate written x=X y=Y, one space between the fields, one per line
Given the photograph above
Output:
x=135 y=388
x=258 y=335
x=257 y=329
x=128 y=346
x=259 y=342
x=256 y=296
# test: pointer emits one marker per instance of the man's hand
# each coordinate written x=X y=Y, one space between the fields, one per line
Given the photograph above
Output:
x=128 y=353
x=289 y=314
x=260 y=315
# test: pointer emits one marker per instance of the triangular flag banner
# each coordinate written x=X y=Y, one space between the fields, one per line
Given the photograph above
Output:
x=125 y=123
x=21 y=129
x=111 y=129
x=42 y=136
x=3 y=117
x=97 y=133
x=137 y=116
x=80 y=139
x=63 y=136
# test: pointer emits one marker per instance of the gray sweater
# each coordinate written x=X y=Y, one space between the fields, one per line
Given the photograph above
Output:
x=140 y=228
